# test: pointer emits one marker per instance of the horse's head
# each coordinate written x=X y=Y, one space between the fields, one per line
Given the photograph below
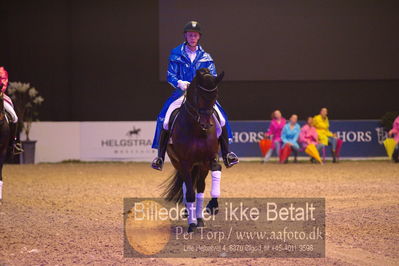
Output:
x=202 y=95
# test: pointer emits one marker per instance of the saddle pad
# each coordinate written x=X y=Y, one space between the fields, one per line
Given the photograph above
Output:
x=8 y=99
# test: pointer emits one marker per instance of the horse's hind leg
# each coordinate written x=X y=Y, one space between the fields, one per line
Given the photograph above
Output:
x=216 y=171
x=200 y=196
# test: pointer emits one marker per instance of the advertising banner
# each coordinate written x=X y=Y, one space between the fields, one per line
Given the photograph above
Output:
x=131 y=140
x=361 y=138
x=104 y=141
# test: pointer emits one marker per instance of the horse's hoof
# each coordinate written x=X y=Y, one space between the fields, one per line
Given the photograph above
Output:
x=191 y=228
x=185 y=213
x=200 y=222
x=213 y=206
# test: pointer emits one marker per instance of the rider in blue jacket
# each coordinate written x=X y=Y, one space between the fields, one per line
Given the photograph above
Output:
x=184 y=61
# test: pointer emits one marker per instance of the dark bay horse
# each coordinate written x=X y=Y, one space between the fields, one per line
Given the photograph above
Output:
x=195 y=144
x=4 y=139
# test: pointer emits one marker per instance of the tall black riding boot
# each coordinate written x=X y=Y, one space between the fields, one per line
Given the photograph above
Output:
x=229 y=158
x=15 y=144
x=157 y=163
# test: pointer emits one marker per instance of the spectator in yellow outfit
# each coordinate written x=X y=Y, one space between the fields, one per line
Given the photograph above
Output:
x=326 y=137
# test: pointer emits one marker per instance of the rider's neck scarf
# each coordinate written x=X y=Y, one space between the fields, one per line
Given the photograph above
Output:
x=191 y=54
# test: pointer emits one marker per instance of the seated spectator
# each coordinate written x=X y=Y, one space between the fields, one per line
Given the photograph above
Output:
x=274 y=132
x=395 y=131
x=290 y=135
x=326 y=137
x=309 y=135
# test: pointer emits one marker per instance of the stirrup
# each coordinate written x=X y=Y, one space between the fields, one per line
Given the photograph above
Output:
x=157 y=164
x=17 y=148
x=230 y=159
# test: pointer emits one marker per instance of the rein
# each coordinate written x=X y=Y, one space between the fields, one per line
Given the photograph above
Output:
x=195 y=112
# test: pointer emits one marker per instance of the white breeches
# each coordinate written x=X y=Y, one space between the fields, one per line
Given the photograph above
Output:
x=177 y=103
x=11 y=111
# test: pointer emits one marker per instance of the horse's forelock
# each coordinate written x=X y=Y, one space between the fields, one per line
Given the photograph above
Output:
x=207 y=81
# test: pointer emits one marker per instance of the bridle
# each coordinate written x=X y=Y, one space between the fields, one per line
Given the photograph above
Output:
x=205 y=89
x=196 y=112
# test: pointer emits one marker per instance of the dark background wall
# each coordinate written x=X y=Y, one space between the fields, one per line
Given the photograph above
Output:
x=290 y=39
x=98 y=60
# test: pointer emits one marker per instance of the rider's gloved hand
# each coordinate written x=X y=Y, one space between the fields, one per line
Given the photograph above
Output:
x=183 y=85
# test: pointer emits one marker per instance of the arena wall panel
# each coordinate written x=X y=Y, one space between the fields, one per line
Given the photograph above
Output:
x=56 y=141
x=131 y=141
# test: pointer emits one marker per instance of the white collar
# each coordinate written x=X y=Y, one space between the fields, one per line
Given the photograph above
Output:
x=189 y=51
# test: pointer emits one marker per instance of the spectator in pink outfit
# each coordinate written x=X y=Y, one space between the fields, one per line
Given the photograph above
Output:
x=309 y=135
x=395 y=131
x=276 y=126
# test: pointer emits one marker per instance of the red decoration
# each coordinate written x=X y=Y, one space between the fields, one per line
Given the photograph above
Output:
x=285 y=153
x=265 y=145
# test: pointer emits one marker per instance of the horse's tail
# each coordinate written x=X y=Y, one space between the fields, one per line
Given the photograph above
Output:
x=173 y=188
x=174 y=185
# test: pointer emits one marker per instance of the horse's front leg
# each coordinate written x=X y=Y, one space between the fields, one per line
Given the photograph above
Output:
x=200 y=196
x=3 y=154
x=216 y=172
x=190 y=198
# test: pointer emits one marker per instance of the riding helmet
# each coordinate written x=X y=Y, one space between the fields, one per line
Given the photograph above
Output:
x=192 y=26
